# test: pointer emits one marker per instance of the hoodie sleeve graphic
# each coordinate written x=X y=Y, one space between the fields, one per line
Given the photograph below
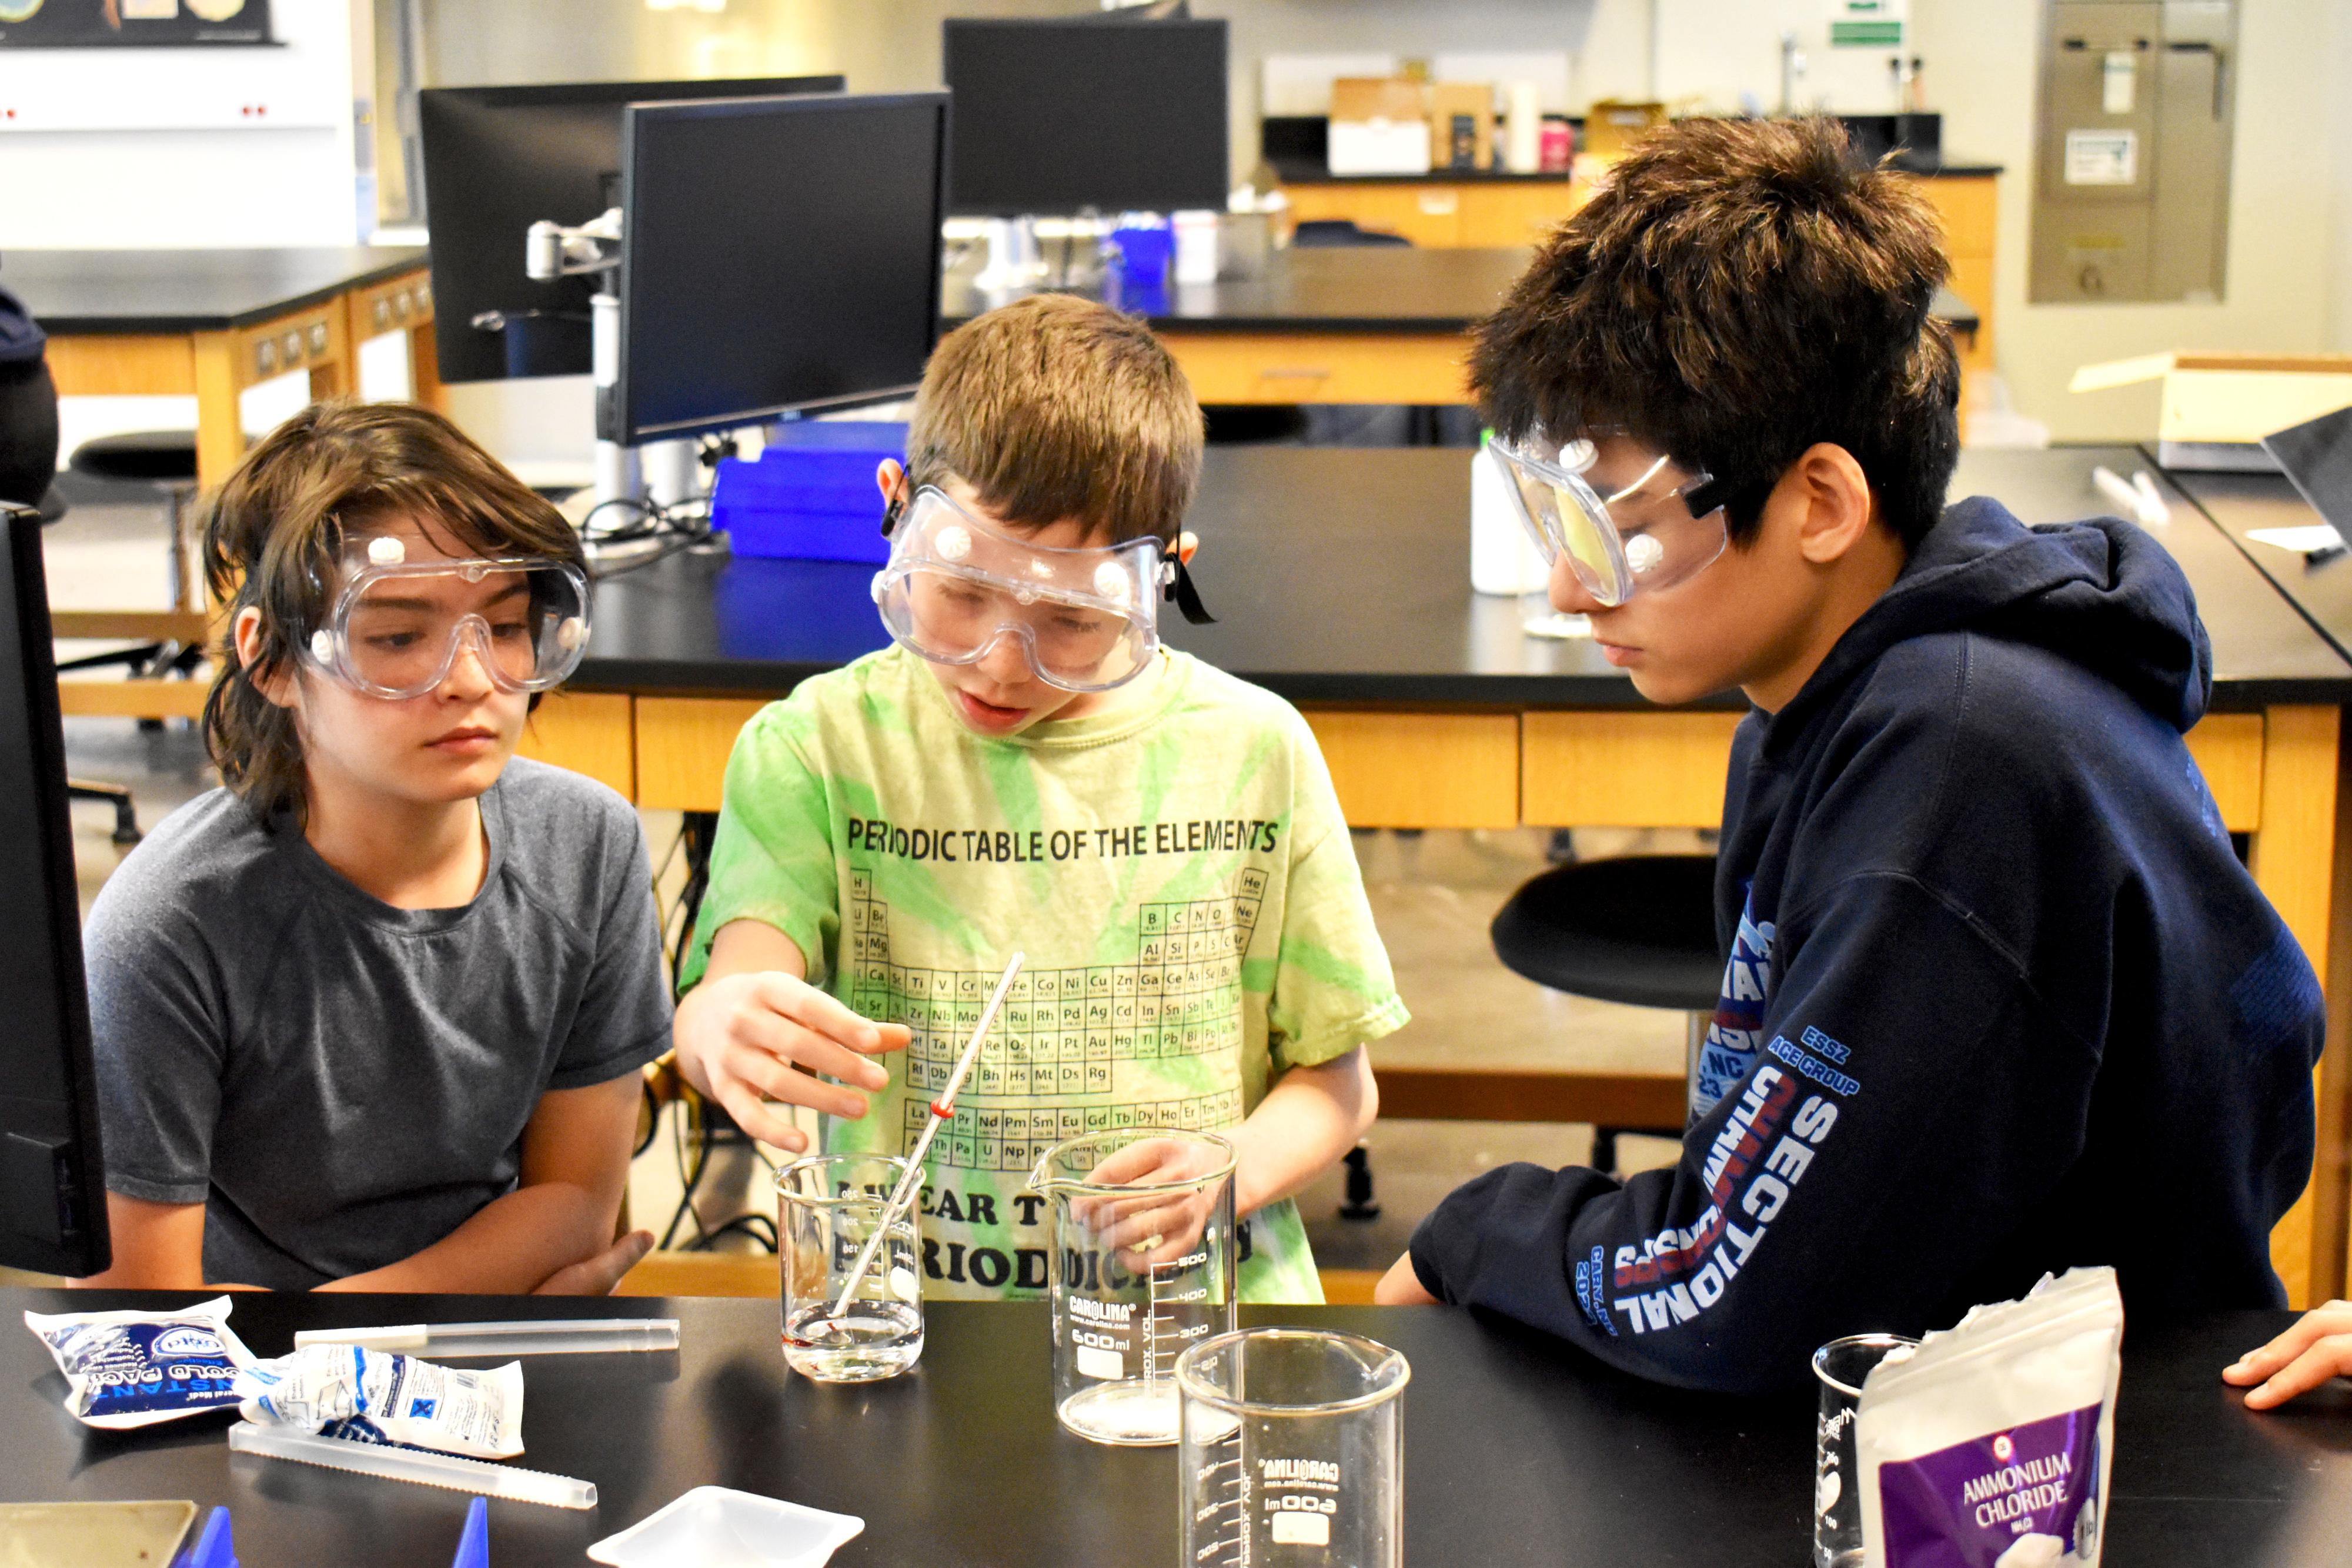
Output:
x=1875 y=1124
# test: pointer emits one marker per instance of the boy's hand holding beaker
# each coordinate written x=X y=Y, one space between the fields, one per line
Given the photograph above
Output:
x=1153 y=1226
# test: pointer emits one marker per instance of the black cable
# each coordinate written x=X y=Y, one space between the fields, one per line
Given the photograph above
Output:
x=694 y=836
x=757 y=1227
x=688 y=1183
x=653 y=1119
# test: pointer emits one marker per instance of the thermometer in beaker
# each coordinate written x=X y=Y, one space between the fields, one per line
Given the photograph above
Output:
x=942 y=1108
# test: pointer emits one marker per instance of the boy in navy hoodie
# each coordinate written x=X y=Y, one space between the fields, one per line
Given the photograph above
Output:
x=1999 y=997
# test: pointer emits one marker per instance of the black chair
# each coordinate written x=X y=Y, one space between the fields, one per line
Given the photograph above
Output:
x=1639 y=929
x=1317 y=233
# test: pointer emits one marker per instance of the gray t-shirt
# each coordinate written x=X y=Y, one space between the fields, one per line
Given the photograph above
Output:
x=339 y=1082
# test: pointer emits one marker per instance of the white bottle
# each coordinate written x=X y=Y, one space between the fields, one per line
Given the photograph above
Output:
x=1523 y=133
x=1502 y=559
x=1196 y=246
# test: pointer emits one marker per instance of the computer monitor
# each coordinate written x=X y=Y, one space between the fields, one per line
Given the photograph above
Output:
x=1058 y=115
x=500 y=159
x=779 y=255
x=52 y=1188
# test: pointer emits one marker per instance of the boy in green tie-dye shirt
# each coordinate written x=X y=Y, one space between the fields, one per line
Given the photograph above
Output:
x=1160 y=838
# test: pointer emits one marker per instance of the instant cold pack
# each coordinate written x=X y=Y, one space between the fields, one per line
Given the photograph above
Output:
x=131 y=1369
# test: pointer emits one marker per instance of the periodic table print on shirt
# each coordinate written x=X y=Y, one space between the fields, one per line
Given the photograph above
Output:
x=1073 y=1051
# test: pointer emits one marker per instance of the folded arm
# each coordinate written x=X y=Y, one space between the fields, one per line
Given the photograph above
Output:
x=554 y=1231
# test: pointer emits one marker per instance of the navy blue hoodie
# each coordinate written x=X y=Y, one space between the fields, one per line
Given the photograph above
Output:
x=1999 y=997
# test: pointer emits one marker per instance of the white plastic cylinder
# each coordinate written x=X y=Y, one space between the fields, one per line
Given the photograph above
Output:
x=1503 y=560
x=1523 y=128
x=1196 y=247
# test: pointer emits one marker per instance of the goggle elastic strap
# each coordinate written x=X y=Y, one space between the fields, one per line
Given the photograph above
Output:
x=1176 y=584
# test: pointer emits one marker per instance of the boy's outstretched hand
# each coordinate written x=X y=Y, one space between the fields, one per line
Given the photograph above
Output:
x=2316 y=1349
x=746 y=1036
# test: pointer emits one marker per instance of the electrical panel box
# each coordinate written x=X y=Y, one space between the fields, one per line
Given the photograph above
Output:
x=2131 y=184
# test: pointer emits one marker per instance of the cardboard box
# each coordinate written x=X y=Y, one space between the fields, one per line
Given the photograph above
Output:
x=1379 y=125
x=1612 y=126
x=1449 y=101
x=2217 y=408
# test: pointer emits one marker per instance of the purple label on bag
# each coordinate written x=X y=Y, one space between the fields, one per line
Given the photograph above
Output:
x=2026 y=1498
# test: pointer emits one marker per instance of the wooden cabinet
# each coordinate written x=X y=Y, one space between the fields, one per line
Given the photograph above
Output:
x=1483 y=213
x=1967 y=205
x=1444 y=214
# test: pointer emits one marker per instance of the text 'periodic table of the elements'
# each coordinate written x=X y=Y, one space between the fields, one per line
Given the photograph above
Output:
x=1074 y=1039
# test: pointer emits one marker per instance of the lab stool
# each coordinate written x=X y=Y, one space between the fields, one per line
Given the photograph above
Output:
x=1639 y=929
x=166 y=460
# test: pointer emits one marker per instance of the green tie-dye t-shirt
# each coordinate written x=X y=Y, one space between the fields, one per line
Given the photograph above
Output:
x=1175 y=867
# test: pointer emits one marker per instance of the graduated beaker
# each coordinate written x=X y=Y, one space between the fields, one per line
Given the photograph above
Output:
x=1842 y=1366
x=828 y=1208
x=1141 y=1267
x=1293 y=1450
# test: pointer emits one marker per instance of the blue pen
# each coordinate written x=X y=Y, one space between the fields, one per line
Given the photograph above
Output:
x=214 y=1549
x=474 y=1542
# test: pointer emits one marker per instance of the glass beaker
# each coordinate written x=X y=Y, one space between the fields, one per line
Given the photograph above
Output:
x=1141 y=1267
x=1842 y=1365
x=828 y=1208
x=1293 y=1450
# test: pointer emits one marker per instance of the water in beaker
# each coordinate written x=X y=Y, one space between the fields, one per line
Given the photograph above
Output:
x=1293 y=1450
x=1141 y=1269
x=828 y=1205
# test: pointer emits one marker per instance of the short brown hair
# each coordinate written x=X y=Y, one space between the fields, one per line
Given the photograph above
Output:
x=1053 y=406
x=1737 y=291
x=274 y=535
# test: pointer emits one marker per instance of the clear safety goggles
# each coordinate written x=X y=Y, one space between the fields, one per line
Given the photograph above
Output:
x=1085 y=619
x=1665 y=526
x=395 y=626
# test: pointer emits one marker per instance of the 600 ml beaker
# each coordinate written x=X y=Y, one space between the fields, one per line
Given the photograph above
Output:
x=1293 y=1450
x=827 y=1210
x=1142 y=1267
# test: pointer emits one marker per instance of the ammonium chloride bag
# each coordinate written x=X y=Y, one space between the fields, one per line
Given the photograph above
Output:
x=132 y=1369
x=1989 y=1446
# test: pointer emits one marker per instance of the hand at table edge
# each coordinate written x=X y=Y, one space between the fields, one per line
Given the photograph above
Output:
x=2314 y=1351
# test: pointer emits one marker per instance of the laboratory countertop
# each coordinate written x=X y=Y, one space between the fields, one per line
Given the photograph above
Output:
x=1308 y=172
x=76 y=292
x=1342 y=576
x=1516 y=1448
x=2239 y=503
x=1336 y=288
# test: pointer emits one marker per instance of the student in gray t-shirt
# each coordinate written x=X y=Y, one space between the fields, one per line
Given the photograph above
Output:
x=370 y=1017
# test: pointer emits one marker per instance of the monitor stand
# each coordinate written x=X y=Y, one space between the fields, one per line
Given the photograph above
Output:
x=662 y=472
x=1015 y=260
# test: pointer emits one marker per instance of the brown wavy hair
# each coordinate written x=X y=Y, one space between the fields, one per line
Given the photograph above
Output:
x=1737 y=290
x=1053 y=406
x=273 y=538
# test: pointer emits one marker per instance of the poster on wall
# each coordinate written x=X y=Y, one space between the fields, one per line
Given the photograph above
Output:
x=131 y=24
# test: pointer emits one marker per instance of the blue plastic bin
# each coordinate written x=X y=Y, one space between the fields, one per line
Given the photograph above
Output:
x=811 y=495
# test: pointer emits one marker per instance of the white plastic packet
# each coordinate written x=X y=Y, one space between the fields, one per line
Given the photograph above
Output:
x=134 y=1369
x=376 y=1397
x=1989 y=1446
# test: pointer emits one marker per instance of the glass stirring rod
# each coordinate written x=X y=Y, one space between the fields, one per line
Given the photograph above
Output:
x=942 y=1108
